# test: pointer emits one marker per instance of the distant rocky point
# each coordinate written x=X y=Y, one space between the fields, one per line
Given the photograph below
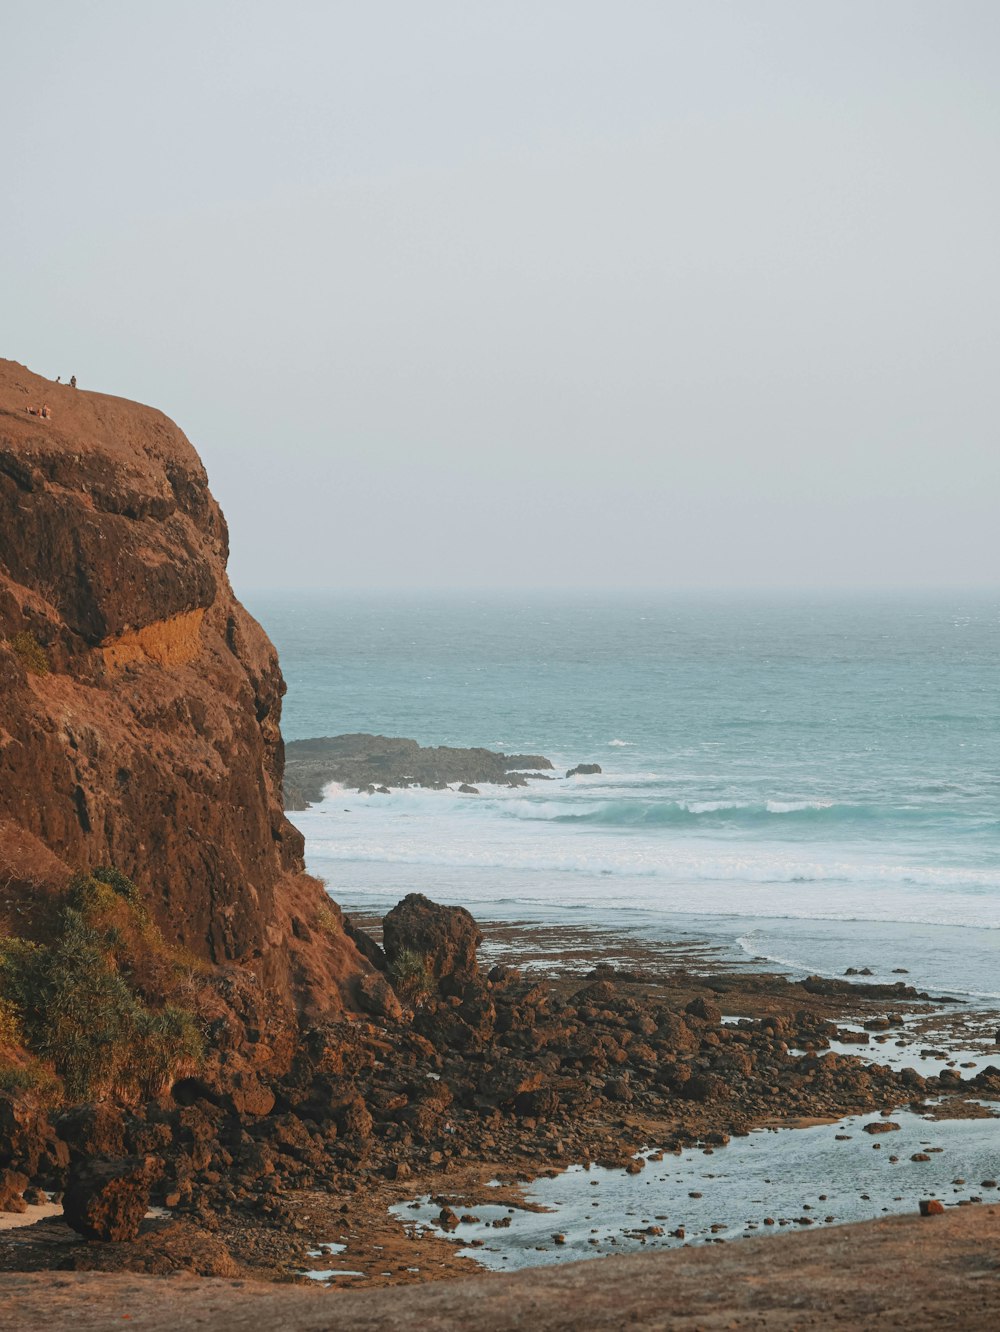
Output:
x=380 y=762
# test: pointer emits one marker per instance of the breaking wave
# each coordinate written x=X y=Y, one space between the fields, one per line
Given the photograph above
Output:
x=744 y=814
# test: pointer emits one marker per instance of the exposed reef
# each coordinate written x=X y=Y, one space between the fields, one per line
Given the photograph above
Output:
x=371 y=762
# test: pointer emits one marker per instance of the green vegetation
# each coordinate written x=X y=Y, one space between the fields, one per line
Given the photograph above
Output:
x=87 y=1001
x=327 y=918
x=411 y=975
x=30 y=653
x=30 y=1075
x=10 y=1027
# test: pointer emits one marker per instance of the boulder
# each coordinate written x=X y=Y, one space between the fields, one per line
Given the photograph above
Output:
x=539 y=1103
x=247 y=1095
x=12 y=1186
x=706 y=1011
x=93 y=1130
x=584 y=770
x=106 y=1199
x=353 y=1118
x=376 y=996
x=446 y=938
x=618 y=1089
x=703 y=1087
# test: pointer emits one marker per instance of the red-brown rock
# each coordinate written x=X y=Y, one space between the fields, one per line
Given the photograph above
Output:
x=107 y=1200
x=140 y=701
x=446 y=937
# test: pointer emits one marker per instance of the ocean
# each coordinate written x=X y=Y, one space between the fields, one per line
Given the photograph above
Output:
x=811 y=780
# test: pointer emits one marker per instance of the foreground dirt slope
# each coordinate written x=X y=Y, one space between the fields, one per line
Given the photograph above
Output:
x=905 y=1272
x=139 y=724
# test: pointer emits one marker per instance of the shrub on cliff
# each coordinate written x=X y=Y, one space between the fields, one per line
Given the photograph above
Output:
x=30 y=653
x=79 y=1001
x=411 y=975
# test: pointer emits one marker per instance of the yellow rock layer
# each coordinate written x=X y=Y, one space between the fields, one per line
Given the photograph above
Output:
x=172 y=642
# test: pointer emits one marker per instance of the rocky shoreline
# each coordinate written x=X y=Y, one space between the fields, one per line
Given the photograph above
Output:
x=453 y=1076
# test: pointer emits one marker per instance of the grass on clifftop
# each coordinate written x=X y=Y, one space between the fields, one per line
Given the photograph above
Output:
x=82 y=1004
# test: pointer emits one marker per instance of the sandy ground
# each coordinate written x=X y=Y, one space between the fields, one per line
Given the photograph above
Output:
x=907 y=1272
x=34 y=1212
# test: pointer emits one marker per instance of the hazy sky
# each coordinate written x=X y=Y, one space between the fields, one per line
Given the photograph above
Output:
x=561 y=292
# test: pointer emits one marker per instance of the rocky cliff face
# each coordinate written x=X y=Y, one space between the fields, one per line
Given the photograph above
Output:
x=139 y=702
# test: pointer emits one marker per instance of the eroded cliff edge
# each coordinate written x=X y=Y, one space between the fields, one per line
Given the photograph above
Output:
x=139 y=724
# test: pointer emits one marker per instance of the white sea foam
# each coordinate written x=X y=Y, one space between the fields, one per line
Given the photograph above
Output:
x=711 y=806
x=796 y=806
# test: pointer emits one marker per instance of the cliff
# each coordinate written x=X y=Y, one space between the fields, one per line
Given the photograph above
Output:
x=141 y=703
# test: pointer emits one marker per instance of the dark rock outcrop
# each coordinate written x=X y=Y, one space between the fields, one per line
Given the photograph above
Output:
x=376 y=762
x=584 y=770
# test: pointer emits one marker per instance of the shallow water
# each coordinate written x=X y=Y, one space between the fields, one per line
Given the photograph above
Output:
x=791 y=1176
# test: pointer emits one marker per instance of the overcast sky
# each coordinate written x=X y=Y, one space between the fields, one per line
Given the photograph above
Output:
x=557 y=293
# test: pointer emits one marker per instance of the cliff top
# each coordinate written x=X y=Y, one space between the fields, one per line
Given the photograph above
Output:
x=83 y=422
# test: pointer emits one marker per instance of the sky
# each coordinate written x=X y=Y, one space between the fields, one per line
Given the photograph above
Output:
x=558 y=293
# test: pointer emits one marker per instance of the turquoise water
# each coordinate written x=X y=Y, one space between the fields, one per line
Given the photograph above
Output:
x=814 y=780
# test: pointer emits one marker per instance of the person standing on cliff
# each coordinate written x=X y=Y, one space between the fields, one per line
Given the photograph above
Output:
x=72 y=381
